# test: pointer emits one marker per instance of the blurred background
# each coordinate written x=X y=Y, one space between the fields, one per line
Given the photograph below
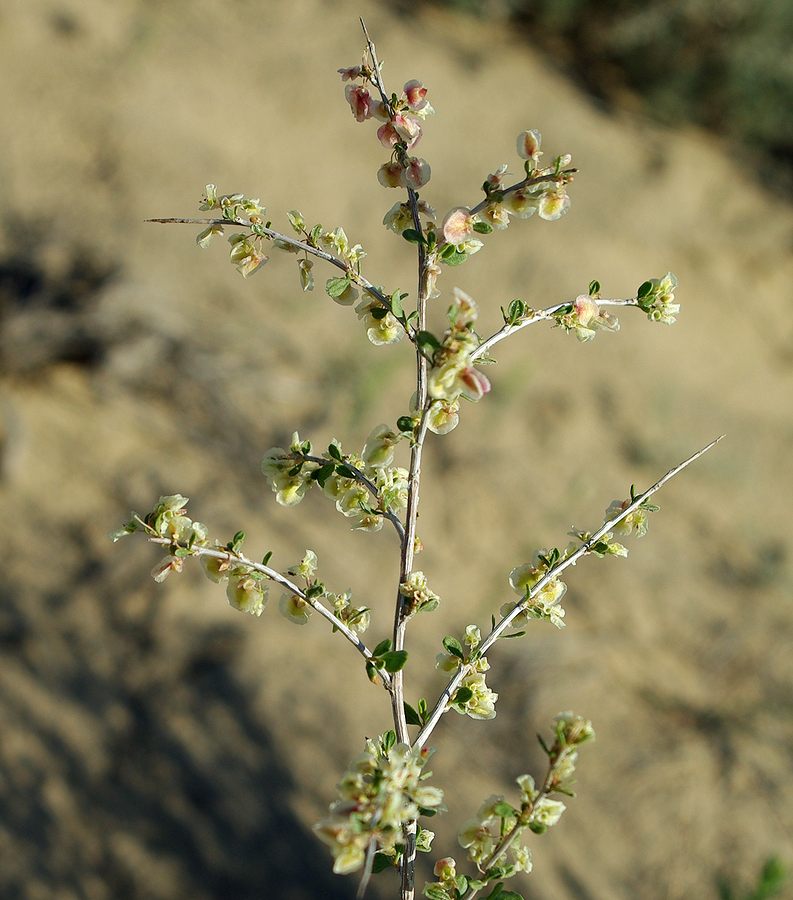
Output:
x=156 y=744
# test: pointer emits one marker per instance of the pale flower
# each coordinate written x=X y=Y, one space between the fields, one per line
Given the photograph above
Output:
x=247 y=593
x=390 y=175
x=529 y=144
x=458 y=225
x=443 y=416
x=294 y=608
x=553 y=204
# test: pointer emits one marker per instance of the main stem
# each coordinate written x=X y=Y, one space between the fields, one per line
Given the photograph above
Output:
x=408 y=864
x=401 y=613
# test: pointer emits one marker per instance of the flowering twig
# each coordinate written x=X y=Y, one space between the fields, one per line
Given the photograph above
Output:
x=514 y=833
x=368 y=484
x=539 y=316
x=359 y=279
x=562 y=177
x=278 y=578
x=553 y=572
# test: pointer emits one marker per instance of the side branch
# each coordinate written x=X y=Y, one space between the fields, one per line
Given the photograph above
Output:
x=359 y=279
x=290 y=586
x=563 y=177
x=539 y=316
x=449 y=691
x=369 y=485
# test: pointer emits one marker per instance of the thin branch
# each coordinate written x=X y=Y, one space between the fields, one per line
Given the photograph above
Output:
x=514 y=833
x=359 y=279
x=290 y=586
x=559 y=177
x=450 y=689
x=539 y=316
x=367 y=483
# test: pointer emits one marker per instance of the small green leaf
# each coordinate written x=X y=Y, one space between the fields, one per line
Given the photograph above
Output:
x=452 y=646
x=238 y=539
x=383 y=647
x=427 y=342
x=323 y=473
x=594 y=288
x=513 y=634
x=483 y=227
x=334 y=451
x=371 y=672
x=422 y=707
x=378 y=313
x=388 y=739
x=316 y=233
x=644 y=289
x=454 y=258
x=413 y=236
x=345 y=471
x=406 y=424
x=267 y=557
x=427 y=811
x=396 y=305
x=411 y=716
x=504 y=809
x=381 y=862
x=335 y=287
x=448 y=250
x=515 y=311
x=394 y=660
x=538 y=827
x=463 y=695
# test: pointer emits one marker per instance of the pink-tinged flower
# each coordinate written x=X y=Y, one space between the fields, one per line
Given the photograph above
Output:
x=415 y=94
x=387 y=135
x=360 y=102
x=529 y=144
x=408 y=130
x=417 y=173
x=458 y=225
x=474 y=383
x=390 y=174
x=349 y=74
x=585 y=309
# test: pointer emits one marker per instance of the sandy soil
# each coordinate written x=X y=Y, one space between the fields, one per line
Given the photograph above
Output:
x=156 y=744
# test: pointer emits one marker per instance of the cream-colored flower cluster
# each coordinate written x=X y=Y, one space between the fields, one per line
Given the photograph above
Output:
x=491 y=838
x=656 y=297
x=291 y=474
x=382 y=789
